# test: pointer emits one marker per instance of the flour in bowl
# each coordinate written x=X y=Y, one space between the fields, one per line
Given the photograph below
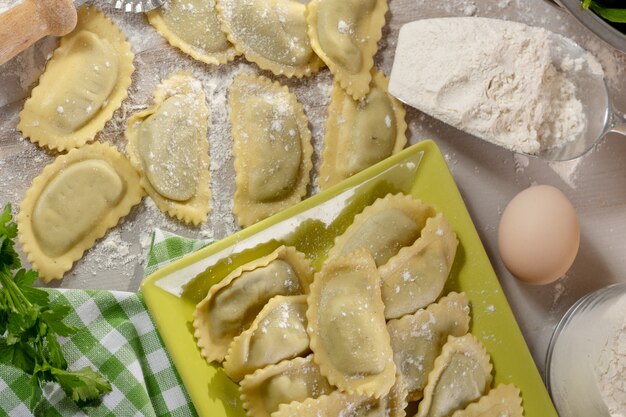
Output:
x=492 y=78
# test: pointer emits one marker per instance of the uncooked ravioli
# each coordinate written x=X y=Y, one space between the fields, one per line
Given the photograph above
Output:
x=83 y=84
x=193 y=27
x=74 y=201
x=360 y=133
x=270 y=33
x=272 y=147
x=167 y=144
x=345 y=34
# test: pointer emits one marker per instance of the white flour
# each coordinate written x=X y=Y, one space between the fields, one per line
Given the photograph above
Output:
x=611 y=371
x=494 y=79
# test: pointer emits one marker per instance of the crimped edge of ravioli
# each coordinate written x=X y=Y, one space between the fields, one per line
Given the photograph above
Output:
x=337 y=403
x=371 y=385
x=436 y=228
x=276 y=68
x=196 y=209
x=329 y=175
x=445 y=305
x=91 y=19
x=234 y=363
x=504 y=395
x=252 y=403
x=246 y=210
x=53 y=268
x=356 y=85
x=412 y=207
x=213 y=58
x=213 y=350
x=469 y=345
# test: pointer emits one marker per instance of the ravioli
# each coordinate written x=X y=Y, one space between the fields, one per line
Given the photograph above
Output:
x=294 y=380
x=270 y=33
x=460 y=376
x=83 y=84
x=415 y=277
x=339 y=404
x=346 y=326
x=277 y=333
x=232 y=304
x=345 y=34
x=72 y=203
x=360 y=133
x=383 y=228
x=502 y=401
x=167 y=144
x=193 y=27
x=272 y=148
x=417 y=339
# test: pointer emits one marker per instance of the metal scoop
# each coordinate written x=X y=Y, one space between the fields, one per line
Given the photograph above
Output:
x=591 y=90
x=593 y=93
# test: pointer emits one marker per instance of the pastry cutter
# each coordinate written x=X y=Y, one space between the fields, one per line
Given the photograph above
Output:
x=30 y=20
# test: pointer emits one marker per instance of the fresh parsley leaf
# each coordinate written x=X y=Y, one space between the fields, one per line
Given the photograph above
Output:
x=29 y=326
x=56 y=358
x=7 y=227
x=83 y=386
x=36 y=393
x=53 y=317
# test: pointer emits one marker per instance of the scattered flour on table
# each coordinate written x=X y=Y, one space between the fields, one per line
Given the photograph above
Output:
x=495 y=79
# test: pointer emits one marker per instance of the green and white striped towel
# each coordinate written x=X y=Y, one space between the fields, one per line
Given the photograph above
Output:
x=117 y=338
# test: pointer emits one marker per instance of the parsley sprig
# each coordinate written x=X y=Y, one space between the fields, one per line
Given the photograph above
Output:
x=29 y=326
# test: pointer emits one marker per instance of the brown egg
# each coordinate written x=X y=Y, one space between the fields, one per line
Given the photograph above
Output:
x=539 y=235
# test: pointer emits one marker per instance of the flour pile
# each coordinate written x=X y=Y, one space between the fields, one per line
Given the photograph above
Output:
x=492 y=78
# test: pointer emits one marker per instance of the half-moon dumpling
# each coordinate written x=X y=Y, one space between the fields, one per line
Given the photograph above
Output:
x=277 y=333
x=345 y=35
x=83 y=84
x=270 y=33
x=72 y=203
x=339 y=404
x=502 y=401
x=384 y=228
x=461 y=375
x=194 y=27
x=415 y=277
x=292 y=380
x=232 y=304
x=167 y=144
x=272 y=147
x=346 y=326
x=360 y=133
x=417 y=339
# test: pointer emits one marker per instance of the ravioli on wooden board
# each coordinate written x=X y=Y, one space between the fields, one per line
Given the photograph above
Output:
x=72 y=203
x=345 y=35
x=193 y=27
x=272 y=147
x=359 y=134
x=270 y=33
x=167 y=144
x=83 y=84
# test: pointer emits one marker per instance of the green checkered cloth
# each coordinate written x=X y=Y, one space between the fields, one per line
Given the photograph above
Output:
x=117 y=338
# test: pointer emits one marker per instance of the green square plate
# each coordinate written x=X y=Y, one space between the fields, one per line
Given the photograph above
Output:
x=311 y=226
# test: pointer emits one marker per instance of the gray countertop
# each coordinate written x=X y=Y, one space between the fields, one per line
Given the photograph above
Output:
x=487 y=176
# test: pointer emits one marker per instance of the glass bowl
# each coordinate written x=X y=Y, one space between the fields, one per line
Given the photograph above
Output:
x=579 y=354
x=596 y=24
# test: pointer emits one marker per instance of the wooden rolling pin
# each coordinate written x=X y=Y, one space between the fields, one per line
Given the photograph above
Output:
x=28 y=21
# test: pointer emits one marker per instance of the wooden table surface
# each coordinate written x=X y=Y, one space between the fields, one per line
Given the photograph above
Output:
x=487 y=176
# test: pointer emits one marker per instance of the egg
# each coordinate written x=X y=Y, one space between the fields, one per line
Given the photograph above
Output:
x=539 y=235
